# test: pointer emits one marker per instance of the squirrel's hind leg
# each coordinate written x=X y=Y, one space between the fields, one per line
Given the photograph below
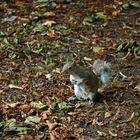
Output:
x=93 y=97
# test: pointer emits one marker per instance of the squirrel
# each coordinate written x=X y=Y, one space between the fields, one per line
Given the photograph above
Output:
x=86 y=80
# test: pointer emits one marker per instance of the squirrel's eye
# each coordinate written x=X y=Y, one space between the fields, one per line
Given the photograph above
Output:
x=70 y=68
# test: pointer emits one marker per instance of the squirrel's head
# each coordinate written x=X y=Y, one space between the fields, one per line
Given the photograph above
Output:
x=68 y=67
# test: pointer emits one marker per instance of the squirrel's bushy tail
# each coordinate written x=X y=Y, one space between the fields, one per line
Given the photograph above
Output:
x=102 y=69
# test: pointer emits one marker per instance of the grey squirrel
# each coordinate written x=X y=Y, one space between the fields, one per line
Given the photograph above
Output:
x=86 y=80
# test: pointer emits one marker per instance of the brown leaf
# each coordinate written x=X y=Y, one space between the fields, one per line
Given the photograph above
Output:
x=26 y=137
x=13 y=65
x=107 y=114
x=49 y=14
x=52 y=137
x=100 y=51
x=51 y=33
x=109 y=10
x=79 y=130
x=118 y=86
x=46 y=113
x=51 y=125
x=57 y=70
x=117 y=115
x=77 y=105
x=25 y=107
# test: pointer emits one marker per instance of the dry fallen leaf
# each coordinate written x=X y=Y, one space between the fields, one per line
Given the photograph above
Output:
x=117 y=115
x=137 y=87
x=117 y=86
x=13 y=105
x=57 y=70
x=110 y=10
x=44 y=115
x=51 y=33
x=101 y=15
x=87 y=59
x=99 y=123
x=79 y=130
x=51 y=125
x=49 y=22
x=101 y=133
x=37 y=105
x=49 y=14
x=131 y=117
x=48 y=76
x=100 y=51
x=25 y=107
x=112 y=134
x=32 y=119
x=77 y=105
x=94 y=122
x=14 y=86
x=73 y=113
x=107 y=114
x=52 y=137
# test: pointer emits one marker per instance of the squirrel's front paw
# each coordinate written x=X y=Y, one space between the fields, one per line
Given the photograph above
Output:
x=90 y=102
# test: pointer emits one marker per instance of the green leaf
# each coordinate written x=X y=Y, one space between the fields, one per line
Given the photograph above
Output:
x=125 y=46
x=104 y=24
x=1 y=34
x=79 y=27
x=53 y=105
x=65 y=106
x=13 y=126
x=62 y=30
x=131 y=4
x=42 y=1
x=126 y=5
x=120 y=47
x=128 y=45
x=34 y=119
x=57 y=44
x=136 y=134
x=39 y=28
x=74 y=18
x=88 y=19
x=5 y=43
x=136 y=4
x=37 y=105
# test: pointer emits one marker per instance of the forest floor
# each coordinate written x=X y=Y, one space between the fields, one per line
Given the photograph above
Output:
x=38 y=38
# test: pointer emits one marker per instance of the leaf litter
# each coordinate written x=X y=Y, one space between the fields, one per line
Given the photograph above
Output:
x=37 y=38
